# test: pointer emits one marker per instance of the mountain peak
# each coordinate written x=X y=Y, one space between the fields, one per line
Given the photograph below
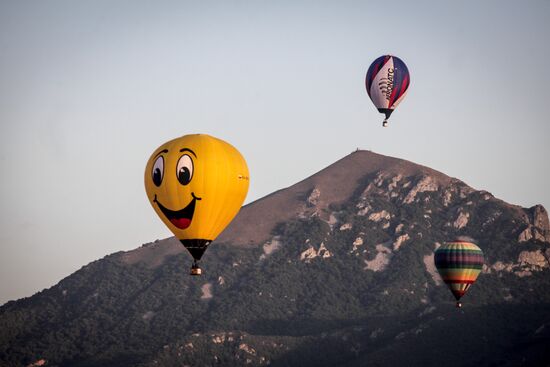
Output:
x=332 y=185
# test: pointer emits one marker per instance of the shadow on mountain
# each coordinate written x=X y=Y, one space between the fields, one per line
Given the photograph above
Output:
x=121 y=359
x=298 y=327
x=496 y=335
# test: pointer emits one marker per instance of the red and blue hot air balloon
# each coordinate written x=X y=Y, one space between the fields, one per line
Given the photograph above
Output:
x=387 y=83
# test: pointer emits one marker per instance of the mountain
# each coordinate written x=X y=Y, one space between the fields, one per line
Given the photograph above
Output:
x=336 y=270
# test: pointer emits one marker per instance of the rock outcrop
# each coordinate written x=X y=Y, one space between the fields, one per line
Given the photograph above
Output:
x=540 y=217
x=427 y=183
x=538 y=226
x=399 y=241
x=381 y=260
x=311 y=253
x=462 y=220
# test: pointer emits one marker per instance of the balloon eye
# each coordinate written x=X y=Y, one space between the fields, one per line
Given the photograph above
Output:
x=158 y=171
x=184 y=170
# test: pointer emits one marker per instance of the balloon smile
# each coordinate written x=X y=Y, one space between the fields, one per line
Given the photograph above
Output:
x=181 y=218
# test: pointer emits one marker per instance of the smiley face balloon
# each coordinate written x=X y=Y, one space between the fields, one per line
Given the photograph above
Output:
x=196 y=184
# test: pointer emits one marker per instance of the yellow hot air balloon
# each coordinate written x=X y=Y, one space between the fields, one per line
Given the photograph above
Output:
x=196 y=184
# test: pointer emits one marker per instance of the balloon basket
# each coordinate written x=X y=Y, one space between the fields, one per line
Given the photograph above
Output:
x=195 y=270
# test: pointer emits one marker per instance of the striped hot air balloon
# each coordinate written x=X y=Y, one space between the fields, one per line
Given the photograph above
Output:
x=387 y=83
x=459 y=262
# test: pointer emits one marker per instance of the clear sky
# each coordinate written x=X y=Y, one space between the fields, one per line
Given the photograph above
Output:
x=88 y=89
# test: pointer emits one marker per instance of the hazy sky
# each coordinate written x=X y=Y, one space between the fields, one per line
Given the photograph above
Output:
x=88 y=89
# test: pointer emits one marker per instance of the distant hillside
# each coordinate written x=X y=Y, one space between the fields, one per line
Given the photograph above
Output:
x=336 y=270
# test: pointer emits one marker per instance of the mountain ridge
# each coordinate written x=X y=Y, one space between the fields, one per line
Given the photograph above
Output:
x=293 y=200
x=359 y=163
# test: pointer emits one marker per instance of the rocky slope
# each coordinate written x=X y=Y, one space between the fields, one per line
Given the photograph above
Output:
x=335 y=270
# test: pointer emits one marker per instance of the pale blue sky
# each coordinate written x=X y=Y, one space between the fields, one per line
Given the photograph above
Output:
x=88 y=89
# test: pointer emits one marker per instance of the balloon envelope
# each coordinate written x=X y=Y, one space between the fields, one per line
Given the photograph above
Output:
x=196 y=184
x=459 y=263
x=387 y=82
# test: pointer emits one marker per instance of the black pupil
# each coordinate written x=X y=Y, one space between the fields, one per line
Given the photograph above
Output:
x=184 y=176
x=157 y=176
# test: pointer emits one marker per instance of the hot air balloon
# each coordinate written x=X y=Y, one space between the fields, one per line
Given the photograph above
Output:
x=459 y=262
x=196 y=184
x=387 y=83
